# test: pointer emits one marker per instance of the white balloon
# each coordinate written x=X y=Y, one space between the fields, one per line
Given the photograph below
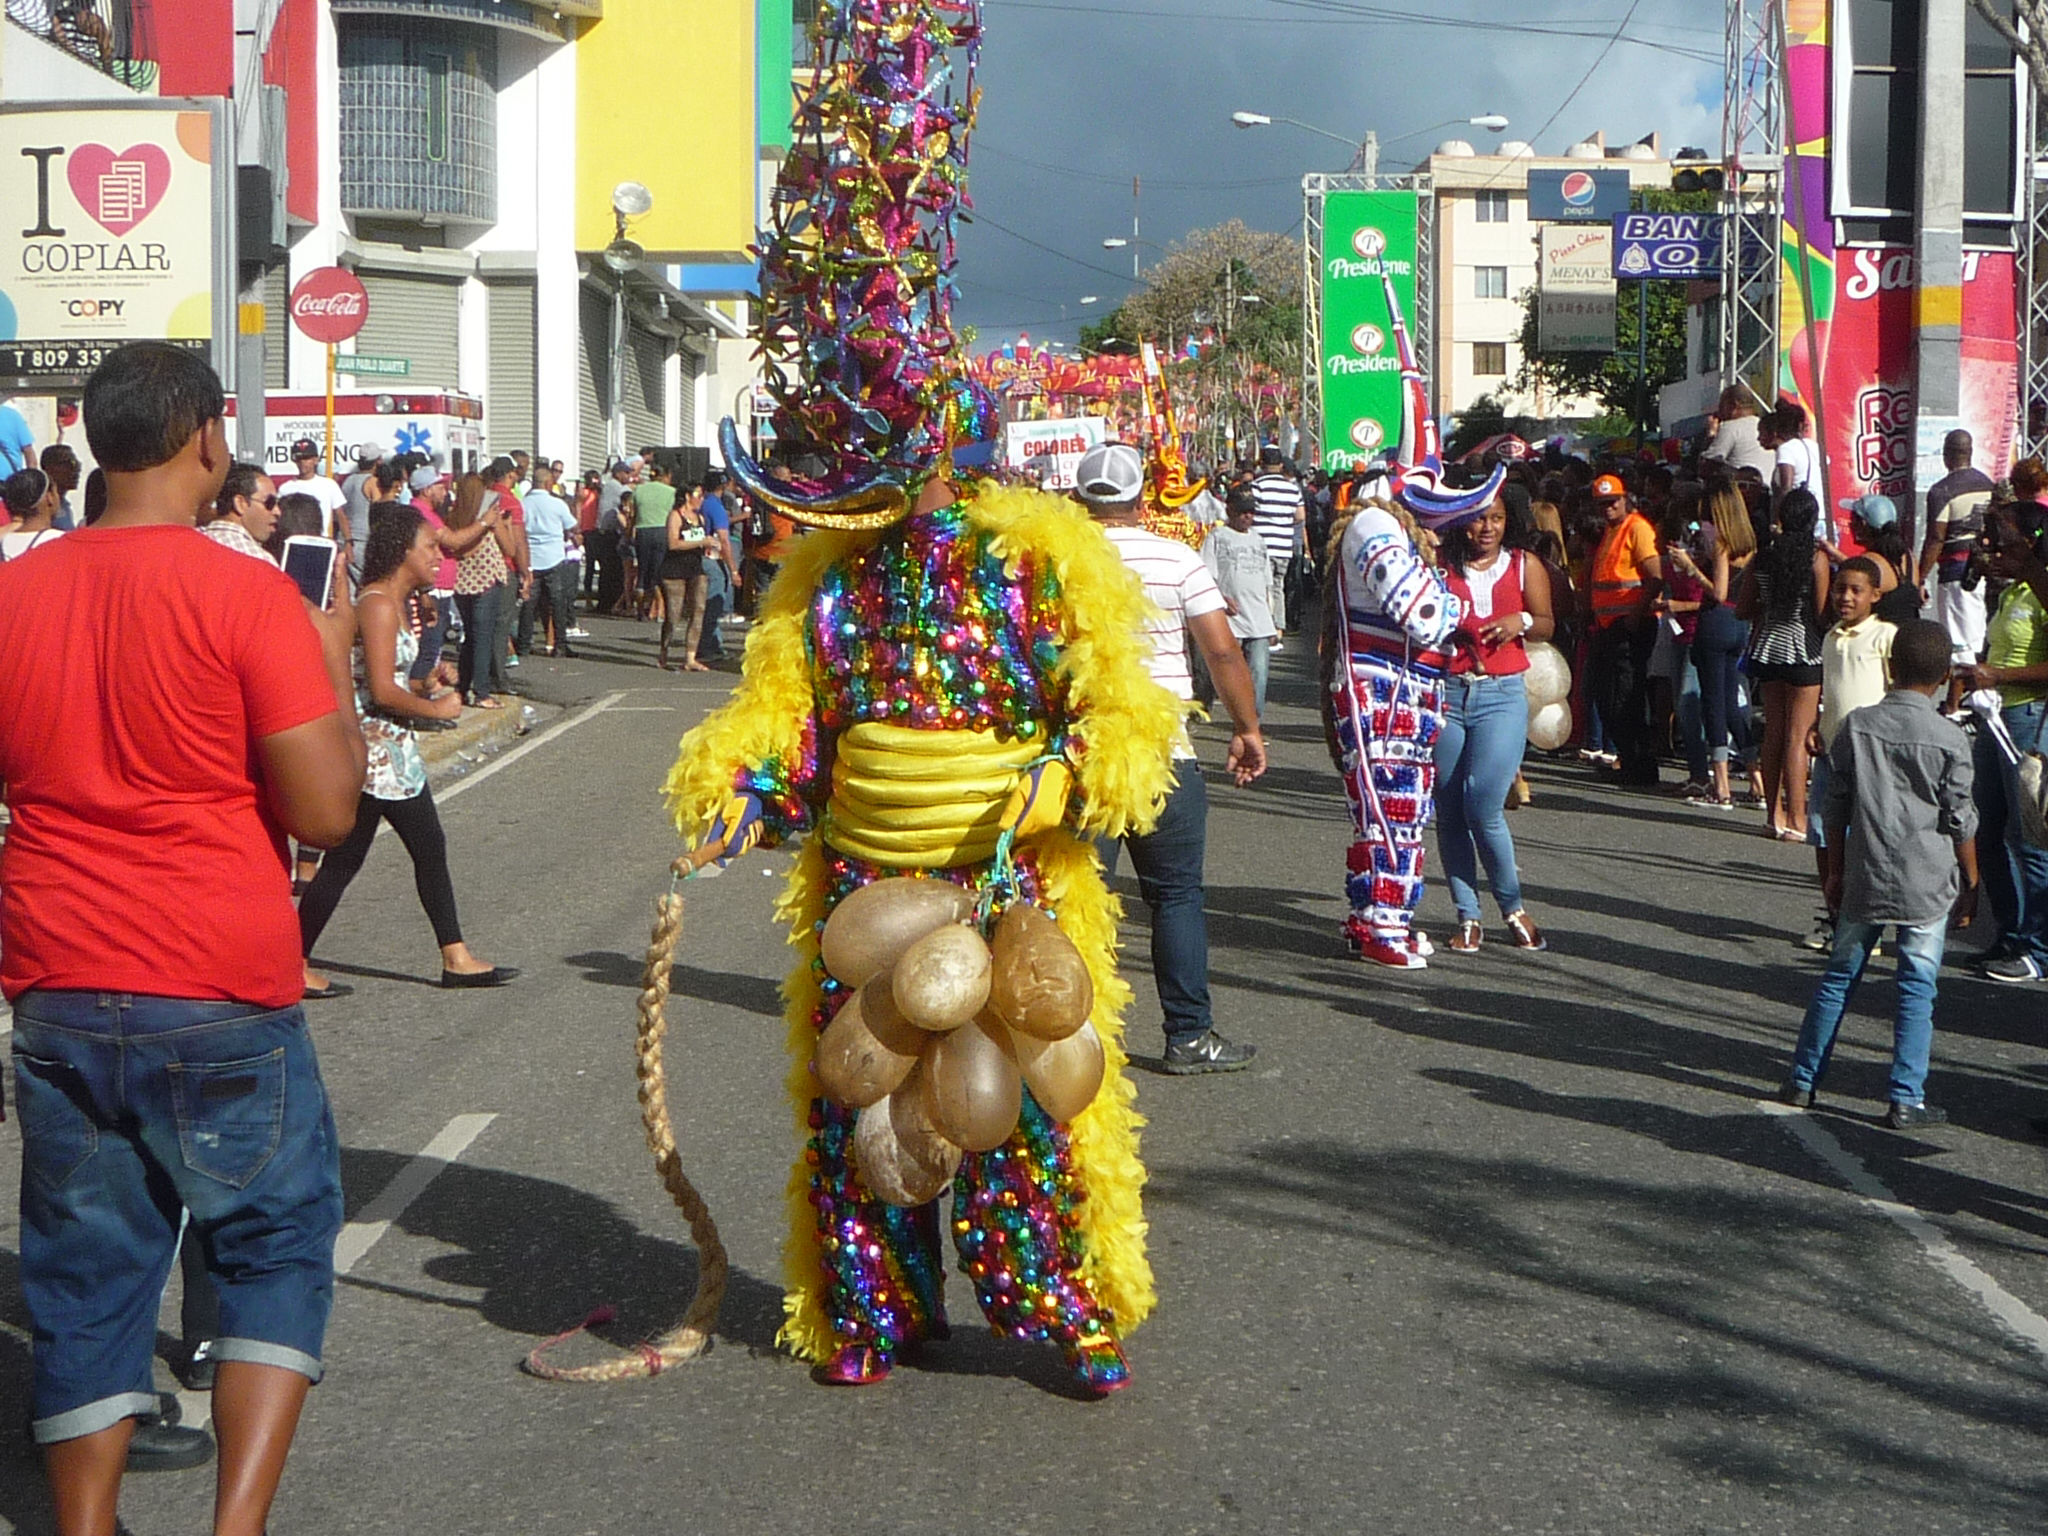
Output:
x=1551 y=726
x=1549 y=678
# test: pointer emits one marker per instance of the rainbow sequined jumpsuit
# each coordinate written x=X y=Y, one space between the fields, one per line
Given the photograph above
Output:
x=1005 y=624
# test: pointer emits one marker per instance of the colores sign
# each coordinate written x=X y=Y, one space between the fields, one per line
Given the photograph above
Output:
x=1052 y=449
x=107 y=236
x=1365 y=235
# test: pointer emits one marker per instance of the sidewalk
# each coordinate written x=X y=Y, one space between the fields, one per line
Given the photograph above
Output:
x=480 y=734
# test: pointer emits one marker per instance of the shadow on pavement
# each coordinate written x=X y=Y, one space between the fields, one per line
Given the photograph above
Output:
x=542 y=1255
x=1738 y=1327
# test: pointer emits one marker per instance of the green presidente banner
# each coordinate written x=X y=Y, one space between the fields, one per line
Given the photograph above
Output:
x=1365 y=234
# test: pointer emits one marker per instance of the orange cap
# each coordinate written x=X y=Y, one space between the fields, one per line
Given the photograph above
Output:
x=1608 y=487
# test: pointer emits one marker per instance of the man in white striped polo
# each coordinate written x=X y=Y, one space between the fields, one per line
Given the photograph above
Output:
x=1281 y=520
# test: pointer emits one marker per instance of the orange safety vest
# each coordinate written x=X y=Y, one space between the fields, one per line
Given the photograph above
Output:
x=1617 y=582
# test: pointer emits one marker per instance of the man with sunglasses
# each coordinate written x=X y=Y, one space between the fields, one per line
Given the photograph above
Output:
x=245 y=512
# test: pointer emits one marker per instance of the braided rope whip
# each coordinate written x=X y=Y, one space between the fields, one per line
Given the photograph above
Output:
x=692 y=1336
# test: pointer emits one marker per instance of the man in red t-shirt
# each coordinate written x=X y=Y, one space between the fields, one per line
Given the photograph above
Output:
x=168 y=715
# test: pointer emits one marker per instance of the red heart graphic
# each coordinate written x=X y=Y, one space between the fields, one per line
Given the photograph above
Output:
x=119 y=190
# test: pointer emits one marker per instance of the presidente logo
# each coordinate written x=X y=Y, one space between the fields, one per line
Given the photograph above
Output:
x=1368 y=340
x=1369 y=242
x=1578 y=189
x=1368 y=434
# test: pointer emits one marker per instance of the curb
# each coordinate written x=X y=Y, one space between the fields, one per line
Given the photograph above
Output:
x=481 y=734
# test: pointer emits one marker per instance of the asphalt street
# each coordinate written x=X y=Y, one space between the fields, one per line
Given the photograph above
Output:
x=1507 y=1245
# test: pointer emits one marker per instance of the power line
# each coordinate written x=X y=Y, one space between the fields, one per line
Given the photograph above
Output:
x=982 y=218
x=1573 y=94
x=983 y=147
x=1350 y=16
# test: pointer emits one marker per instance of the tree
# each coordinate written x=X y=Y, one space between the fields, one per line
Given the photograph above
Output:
x=2033 y=47
x=1611 y=377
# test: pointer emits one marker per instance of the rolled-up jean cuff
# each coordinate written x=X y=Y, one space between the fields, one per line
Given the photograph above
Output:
x=91 y=1418
x=257 y=1352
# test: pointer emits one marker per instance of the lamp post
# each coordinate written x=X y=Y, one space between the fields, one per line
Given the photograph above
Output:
x=1366 y=154
x=630 y=200
x=1118 y=242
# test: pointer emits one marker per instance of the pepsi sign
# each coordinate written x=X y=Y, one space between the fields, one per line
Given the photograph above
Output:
x=1574 y=196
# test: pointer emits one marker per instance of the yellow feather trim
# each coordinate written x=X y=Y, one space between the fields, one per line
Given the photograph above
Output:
x=1104 y=1136
x=806 y=1329
x=764 y=719
x=1125 y=723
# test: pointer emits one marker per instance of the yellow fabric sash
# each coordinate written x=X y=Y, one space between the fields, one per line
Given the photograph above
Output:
x=914 y=799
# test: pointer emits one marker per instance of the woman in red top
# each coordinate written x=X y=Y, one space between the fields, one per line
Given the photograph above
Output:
x=1506 y=598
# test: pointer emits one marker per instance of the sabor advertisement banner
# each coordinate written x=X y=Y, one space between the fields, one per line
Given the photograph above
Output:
x=107 y=235
x=1052 y=449
x=1575 y=289
x=1365 y=235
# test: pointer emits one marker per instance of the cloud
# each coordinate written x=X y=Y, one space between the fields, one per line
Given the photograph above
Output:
x=1078 y=99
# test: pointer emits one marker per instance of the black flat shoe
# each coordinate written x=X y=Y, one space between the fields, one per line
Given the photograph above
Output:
x=327 y=993
x=161 y=1447
x=496 y=976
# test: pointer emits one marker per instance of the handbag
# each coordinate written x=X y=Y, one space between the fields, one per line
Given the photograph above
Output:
x=2034 y=790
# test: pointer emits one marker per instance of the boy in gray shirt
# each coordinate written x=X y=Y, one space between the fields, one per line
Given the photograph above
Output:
x=1899 y=826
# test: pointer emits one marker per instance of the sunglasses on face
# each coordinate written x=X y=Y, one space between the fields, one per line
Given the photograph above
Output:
x=262 y=501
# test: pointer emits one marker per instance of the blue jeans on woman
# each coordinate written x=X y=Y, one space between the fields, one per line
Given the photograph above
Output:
x=481 y=641
x=1920 y=947
x=1478 y=753
x=1717 y=648
x=2014 y=871
x=1168 y=860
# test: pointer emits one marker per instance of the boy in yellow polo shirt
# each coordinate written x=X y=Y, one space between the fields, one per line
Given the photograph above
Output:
x=1855 y=670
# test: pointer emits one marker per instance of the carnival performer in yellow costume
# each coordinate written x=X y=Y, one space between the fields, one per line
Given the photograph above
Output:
x=941 y=684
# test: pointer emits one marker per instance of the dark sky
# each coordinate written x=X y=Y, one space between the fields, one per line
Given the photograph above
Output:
x=1078 y=96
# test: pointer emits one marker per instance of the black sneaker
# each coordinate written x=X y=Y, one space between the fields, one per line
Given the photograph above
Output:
x=158 y=1446
x=1206 y=1053
x=1907 y=1117
x=1798 y=1097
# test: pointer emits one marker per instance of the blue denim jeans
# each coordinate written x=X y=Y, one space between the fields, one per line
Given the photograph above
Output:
x=1168 y=861
x=1717 y=650
x=2015 y=873
x=1478 y=753
x=717 y=598
x=1258 y=655
x=131 y=1108
x=1920 y=946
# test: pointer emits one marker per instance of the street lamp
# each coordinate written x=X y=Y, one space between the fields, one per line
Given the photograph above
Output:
x=1366 y=154
x=630 y=200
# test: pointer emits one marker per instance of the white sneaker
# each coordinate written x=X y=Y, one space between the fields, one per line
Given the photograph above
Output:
x=1275 y=648
x=578 y=633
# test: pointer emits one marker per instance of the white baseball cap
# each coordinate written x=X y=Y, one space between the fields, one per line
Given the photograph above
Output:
x=1110 y=473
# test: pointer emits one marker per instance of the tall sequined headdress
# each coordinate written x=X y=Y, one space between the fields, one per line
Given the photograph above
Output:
x=1417 y=473
x=856 y=293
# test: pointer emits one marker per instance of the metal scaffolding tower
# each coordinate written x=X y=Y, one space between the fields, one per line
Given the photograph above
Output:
x=2033 y=286
x=1314 y=188
x=1753 y=149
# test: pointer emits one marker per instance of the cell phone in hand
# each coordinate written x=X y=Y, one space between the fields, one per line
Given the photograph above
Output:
x=310 y=563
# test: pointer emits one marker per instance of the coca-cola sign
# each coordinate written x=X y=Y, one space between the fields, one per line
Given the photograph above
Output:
x=330 y=304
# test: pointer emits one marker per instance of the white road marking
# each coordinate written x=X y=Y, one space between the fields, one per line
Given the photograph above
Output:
x=2024 y=1322
x=582 y=716
x=390 y=1203
x=373 y=1221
